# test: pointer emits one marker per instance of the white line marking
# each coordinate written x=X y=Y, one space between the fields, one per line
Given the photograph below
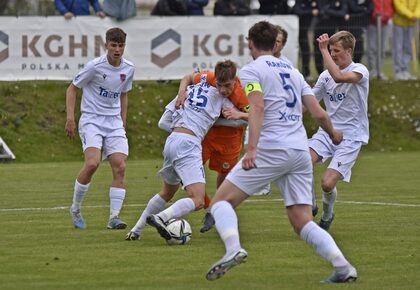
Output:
x=250 y=200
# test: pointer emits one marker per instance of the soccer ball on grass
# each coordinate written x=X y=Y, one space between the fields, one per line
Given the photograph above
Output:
x=180 y=231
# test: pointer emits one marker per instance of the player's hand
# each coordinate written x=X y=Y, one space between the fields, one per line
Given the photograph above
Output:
x=70 y=128
x=68 y=15
x=180 y=100
x=323 y=41
x=337 y=137
x=249 y=160
x=100 y=14
x=231 y=113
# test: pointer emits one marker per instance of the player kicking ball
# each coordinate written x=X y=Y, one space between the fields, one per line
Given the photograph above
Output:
x=183 y=152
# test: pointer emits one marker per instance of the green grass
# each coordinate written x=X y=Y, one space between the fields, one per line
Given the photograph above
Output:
x=377 y=227
x=32 y=119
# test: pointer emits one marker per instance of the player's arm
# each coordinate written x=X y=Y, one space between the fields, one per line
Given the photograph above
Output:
x=165 y=121
x=70 y=105
x=322 y=118
x=234 y=114
x=333 y=69
x=124 y=108
x=255 y=119
x=182 y=91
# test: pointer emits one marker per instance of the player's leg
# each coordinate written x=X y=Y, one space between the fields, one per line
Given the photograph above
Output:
x=301 y=219
x=117 y=190
x=154 y=206
x=178 y=209
x=187 y=164
x=315 y=158
x=92 y=160
x=343 y=160
x=116 y=150
x=226 y=198
x=296 y=188
x=222 y=159
x=208 y=220
x=329 y=196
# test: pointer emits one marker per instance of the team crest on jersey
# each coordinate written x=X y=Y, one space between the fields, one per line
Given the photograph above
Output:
x=123 y=77
x=226 y=165
x=104 y=76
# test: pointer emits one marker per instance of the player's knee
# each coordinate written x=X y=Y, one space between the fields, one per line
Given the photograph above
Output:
x=91 y=166
x=327 y=185
x=119 y=169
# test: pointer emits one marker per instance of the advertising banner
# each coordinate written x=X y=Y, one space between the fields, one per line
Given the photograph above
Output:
x=52 y=48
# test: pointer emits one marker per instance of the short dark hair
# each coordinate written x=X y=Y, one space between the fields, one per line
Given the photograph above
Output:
x=115 y=34
x=225 y=71
x=283 y=33
x=263 y=34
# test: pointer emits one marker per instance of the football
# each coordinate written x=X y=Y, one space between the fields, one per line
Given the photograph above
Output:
x=180 y=231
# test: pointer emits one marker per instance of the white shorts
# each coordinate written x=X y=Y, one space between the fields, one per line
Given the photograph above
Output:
x=343 y=155
x=103 y=132
x=182 y=160
x=290 y=170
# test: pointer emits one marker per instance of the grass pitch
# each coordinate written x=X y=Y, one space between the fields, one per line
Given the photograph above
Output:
x=377 y=226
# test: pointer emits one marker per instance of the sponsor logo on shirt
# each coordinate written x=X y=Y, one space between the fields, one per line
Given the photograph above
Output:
x=108 y=94
x=284 y=116
x=338 y=97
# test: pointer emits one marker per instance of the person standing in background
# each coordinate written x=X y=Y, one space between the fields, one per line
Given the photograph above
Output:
x=385 y=10
x=195 y=7
x=72 y=8
x=360 y=11
x=274 y=7
x=407 y=12
x=307 y=10
x=333 y=14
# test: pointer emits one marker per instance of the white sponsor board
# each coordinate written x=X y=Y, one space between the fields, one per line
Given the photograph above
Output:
x=160 y=47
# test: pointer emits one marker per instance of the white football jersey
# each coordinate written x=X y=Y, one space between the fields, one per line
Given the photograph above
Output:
x=283 y=87
x=103 y=84
x=346 y=103
x=201 y=109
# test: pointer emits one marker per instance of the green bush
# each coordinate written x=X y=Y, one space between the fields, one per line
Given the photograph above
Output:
x=32 y=119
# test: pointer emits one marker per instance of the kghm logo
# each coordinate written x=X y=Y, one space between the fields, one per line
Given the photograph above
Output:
x=166 y=48
x=4 y=41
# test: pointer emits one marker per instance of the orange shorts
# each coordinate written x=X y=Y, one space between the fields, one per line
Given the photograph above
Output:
x=222 y=147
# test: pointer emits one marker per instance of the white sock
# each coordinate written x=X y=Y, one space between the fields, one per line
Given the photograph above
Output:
x=328 y=201
x=116 y=197
x=226 y=225
x=323 y=243
x=78 y=195
x=180 y=208
x=155 y=205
